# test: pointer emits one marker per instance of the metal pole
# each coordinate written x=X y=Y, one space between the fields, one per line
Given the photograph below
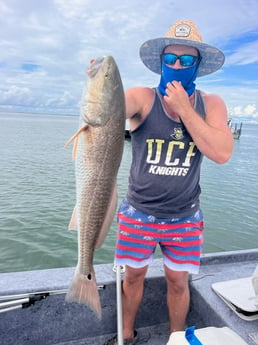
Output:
x=120 y=340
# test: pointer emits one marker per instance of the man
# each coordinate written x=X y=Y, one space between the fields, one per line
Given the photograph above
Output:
x=172 y=127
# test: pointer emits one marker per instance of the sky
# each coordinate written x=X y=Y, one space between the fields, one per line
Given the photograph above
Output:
x=46 y=46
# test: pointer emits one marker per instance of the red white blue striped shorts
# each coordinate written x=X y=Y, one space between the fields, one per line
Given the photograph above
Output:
x=138 y=234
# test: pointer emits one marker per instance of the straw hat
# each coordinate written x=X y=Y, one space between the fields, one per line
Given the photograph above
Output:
x=183 y=32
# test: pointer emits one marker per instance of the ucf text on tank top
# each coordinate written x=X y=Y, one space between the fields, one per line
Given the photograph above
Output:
x=165 y=171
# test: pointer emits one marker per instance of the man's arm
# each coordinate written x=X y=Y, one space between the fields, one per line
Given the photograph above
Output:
x=138 y=102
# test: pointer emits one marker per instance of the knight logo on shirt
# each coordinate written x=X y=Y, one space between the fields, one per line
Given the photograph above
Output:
x=178 y=134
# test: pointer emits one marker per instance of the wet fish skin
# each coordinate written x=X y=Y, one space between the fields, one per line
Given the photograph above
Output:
x=99 y=148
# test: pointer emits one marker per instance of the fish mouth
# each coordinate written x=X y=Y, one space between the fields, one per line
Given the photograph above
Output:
x=93 y=69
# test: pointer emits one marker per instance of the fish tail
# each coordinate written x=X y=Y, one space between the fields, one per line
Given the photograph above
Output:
x=84 y=290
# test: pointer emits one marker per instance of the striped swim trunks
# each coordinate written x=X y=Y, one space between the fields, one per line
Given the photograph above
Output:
x=138 y=234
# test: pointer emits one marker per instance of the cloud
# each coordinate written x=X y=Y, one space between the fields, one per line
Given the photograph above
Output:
x=72 y=9
x=46 y=45
x=63 y=100
x=244 y=54
x=16 y=95
x=249 y=110
x=4 y=9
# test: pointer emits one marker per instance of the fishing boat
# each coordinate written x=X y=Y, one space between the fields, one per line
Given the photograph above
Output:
x=33 y=309
x=236 y=129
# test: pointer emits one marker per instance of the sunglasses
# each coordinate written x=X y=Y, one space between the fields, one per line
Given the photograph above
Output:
x=185 y=60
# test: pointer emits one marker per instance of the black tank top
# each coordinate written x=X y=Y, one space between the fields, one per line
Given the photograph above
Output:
x=165 y=171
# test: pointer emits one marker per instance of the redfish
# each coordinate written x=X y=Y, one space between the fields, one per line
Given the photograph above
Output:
x=98 y=149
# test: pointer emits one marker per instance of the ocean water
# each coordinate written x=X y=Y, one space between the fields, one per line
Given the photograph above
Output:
x=37 y=186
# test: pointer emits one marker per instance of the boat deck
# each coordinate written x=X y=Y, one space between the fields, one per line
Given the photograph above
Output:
x=52 y=321
x=152 y=335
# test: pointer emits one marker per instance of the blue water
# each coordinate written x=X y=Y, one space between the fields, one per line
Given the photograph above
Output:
x=37 y=187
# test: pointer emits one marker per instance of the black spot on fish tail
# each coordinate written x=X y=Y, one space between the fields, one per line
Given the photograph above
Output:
x=84 y=290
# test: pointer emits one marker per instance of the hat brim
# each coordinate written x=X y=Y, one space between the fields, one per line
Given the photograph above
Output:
x=150 y=53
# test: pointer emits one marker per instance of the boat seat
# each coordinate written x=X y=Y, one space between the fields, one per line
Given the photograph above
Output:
x=241 y=295
x=207 y=336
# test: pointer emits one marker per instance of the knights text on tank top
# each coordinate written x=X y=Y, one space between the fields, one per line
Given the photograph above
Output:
x=165 y=171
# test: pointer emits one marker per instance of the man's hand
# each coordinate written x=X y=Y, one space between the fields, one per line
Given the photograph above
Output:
x=177 y=99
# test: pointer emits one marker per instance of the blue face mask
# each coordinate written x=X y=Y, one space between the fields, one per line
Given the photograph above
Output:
x=187 y=77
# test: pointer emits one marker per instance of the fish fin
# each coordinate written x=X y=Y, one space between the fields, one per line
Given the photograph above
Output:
x=85 y=291
x=108 y=218
x=73 y=221
x=75 y=139
x=75 y=146
x=76 y=135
